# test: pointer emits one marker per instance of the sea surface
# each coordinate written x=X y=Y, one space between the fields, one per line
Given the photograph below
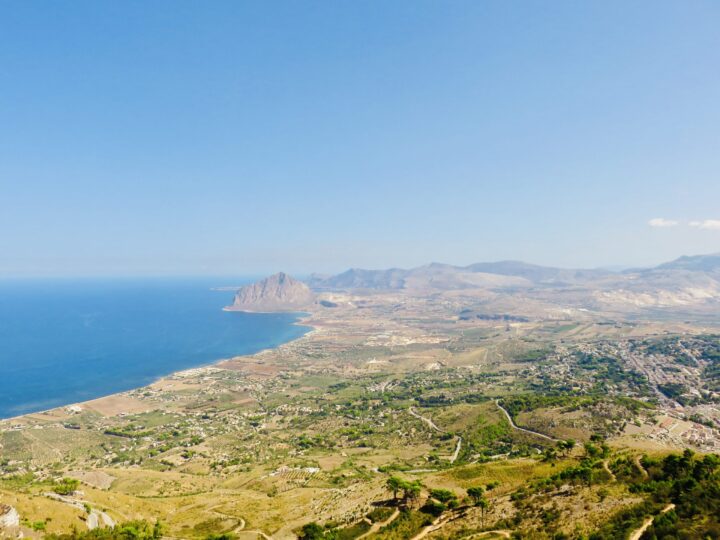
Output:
x=65 y=341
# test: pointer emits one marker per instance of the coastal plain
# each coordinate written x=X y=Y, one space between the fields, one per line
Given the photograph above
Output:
x=451 y=387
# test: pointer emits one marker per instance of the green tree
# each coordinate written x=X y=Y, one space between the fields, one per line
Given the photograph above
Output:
x=66 y=486
x=476 y=493
x=442 y=495
x=565 y=446
x=412 y=490
x=312 y=531
x=394 y=484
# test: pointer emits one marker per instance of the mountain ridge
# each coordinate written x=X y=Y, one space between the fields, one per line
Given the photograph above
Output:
x=686 y=281
x=396 y=278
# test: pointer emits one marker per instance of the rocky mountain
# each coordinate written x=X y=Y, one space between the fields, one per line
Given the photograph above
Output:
x=690 y=281
x=685 y=282
x=279 y=292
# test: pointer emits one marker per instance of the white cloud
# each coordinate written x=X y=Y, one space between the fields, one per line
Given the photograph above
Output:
x=662 y=222
x=709 y=224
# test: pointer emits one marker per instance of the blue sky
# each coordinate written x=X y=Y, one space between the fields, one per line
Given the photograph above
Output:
x=173 y=137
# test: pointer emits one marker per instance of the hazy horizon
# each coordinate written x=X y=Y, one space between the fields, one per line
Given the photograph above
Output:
x=248 y=276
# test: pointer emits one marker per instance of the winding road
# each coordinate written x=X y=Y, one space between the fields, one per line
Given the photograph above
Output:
x=515 y=426
x=637 y=533
x=95 y=517
x=639 y=465
x=380 y=524
x=428 y=421
x=433 y=426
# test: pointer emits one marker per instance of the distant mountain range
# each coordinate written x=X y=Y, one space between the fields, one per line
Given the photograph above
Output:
x=516 y=273
x=687 y=282
x=695 y=263
x=478 y=274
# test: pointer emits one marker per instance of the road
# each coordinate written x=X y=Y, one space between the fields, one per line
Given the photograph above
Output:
x=499 y=532
x=637 y=533
x=457 y=450
x=530 y=431
x=434 y=526
x=640 y=467
x=95 y=517
x=428 y=421
x=606 y=466
x=377 y=526
x=432 y=425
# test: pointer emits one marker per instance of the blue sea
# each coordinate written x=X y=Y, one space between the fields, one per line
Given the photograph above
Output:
x=64 y=341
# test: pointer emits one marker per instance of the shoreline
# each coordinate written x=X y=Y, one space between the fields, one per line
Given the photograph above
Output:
x=303 y=320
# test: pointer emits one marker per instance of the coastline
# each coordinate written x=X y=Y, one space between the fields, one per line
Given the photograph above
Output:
x=304 y=319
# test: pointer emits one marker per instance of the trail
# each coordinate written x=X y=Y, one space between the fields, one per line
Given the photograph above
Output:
x=434 y=526
x=433 y=426
x=240 y=527
x=637 y=533
x=442 y=520
x=640 y=467
x=530 y=431
x=260 y=534
x=607 y=470
x=240 y=521
x=457 y=450
x=428 y=421
x=500 y=532
x=380 y=524
x=95 y=517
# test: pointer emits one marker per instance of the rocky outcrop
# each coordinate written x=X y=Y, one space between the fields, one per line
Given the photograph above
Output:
x=9 y=517
x=279 y=292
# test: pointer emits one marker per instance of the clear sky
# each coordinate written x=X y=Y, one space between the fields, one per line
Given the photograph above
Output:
x=210 y=137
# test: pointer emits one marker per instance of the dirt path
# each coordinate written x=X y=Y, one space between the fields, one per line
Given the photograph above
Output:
x=640 y=467
x=500 y=532
x=240 y=526
x=457 y=450
x=637 y=533
x=606 y=466
x=434 y=526
x=93 y=521
x=107 y=520
x=240 y=521
x=428 y=421
x=433 y=426
x=380 y=524
x=261 y=535
x=518 y=428
x=95 y=517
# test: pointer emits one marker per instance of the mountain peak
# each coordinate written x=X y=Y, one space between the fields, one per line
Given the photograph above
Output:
x=279 y=292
